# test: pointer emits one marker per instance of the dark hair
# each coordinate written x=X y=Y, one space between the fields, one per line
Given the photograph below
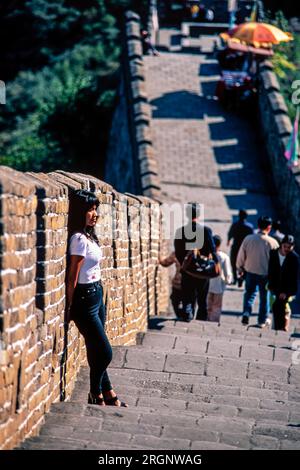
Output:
x=243 y=214
x=264 y=222
x=193 y=210
x=276 y=225
x=288 y=239
x=81 y=201
x=217 y=240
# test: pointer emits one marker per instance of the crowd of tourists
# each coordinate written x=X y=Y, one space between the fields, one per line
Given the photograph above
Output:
x=263 y=259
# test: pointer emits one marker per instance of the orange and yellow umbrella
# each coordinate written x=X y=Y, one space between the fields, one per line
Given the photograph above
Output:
x=258 y=34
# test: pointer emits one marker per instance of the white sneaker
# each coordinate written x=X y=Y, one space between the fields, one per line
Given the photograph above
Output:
x=267 y=323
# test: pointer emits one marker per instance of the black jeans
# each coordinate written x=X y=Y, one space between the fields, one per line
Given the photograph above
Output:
x=194 y=289
x=88 y=313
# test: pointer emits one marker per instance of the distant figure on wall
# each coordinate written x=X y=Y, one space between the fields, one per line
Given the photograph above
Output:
x=148 y=47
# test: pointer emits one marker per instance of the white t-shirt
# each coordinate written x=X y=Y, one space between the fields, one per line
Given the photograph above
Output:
x=90 y=269
x=217 y=285
x=281 y=259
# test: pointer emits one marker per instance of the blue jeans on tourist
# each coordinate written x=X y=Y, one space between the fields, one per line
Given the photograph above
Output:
x=255 y=282
x=89 y=314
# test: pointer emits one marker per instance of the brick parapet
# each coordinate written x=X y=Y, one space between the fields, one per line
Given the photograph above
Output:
x=40 y=356
x=276 y=128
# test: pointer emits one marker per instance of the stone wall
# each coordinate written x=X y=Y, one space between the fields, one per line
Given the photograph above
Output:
x=131 y=165
x=276 y=128
x=40 y=355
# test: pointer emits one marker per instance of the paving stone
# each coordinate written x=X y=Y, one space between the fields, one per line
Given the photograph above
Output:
x=264 y=442
x=270 y=385
x=74 y=421
x=290 y=445
x=215 y=390
x=192 y=379
x=160 y=443
x=132 y=375
x=202 y=445
x=240 y=382
x=164 y=342
x=145 y=360
x=294 y=396
x=162 y=403
x=131 y=428
x=162 y=419
x=224 y=348
x=213 y=409
x=193 y=434
x=253 y=352
x=190 y=364
x=118 y=359
x=294 y=374
x=263 y=415
x=235 y=401
x=109 y=412
x=226 y=424
x=277 y=431
x=191 y=344
x=69 y=408
x=283 y=356
x=98 y=436
x=56 y=430
x=265 y=371
x=263 y=393
x=226 y=367
x=236 y=439
x=279 y=405
x=294 y=417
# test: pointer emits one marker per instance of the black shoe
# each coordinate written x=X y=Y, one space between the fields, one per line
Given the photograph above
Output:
x=187 y=317
x=245 y=319
x=95 y=400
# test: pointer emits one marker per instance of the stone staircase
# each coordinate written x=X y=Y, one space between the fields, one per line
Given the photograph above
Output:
x=189 y=386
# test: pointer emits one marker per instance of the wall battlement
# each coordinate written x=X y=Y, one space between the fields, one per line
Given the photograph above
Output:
x=40 y=355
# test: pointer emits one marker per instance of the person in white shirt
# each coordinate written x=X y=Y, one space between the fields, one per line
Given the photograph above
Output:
x=217 y=285
x=85 y=304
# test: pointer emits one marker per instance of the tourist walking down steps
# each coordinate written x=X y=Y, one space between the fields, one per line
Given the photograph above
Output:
x=283 y=281
x=217 y=285
x=253 y=257
x=199 y=235
x=237 y=232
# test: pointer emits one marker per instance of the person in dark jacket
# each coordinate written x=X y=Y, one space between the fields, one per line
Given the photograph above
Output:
x=237 y=232
x=283 y=280
x=194 y=235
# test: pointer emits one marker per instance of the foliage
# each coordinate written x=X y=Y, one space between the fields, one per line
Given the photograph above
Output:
x=286 y=60
x=61 y=72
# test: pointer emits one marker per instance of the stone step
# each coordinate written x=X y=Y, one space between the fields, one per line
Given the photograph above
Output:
x=218 y=346
x=123 y=429
x=192 y=392
x=178 y=382
x=250 y=366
